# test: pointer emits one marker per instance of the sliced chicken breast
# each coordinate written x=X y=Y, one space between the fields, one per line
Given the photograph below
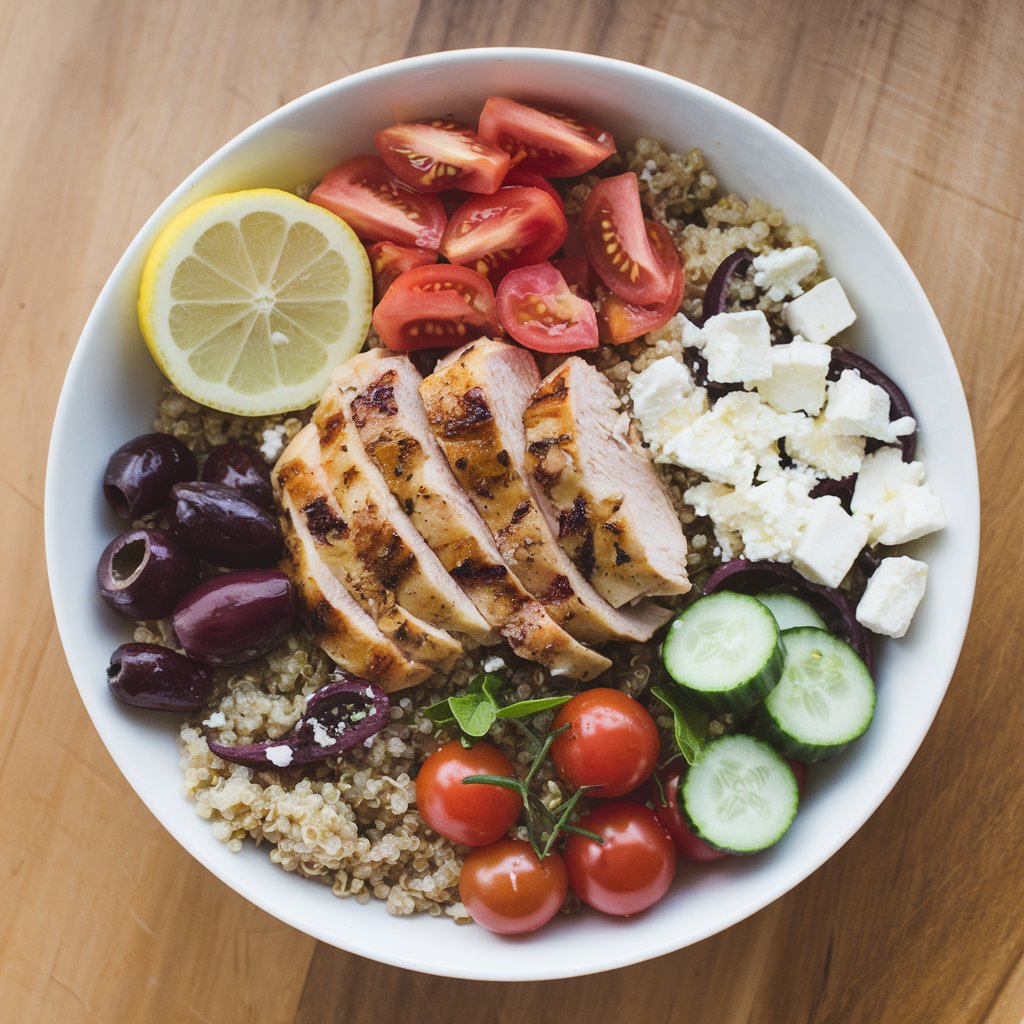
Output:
x=345 y=632
x=475 y=401
x=389 y=416
x=387 y=542
x=340 y=544
x=614 y=520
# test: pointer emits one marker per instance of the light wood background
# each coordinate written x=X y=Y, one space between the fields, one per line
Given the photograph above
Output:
x=107 y=104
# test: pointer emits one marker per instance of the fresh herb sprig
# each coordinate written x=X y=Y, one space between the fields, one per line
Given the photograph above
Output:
x=477 y=710
x=543 y=826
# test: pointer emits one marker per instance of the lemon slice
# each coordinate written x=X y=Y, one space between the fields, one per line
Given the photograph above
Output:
x=249 y=300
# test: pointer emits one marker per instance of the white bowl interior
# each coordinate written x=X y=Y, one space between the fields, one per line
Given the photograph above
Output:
x=110 y=394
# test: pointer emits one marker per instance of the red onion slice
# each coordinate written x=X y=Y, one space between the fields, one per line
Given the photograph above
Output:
x=714 y=295
x=835 y=607
x=340 y=715
x=844 y=359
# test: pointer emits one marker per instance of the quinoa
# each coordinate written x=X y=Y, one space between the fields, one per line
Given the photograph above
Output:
x=351 y=822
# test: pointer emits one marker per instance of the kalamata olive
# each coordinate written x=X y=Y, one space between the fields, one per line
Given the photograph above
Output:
x=242 y=469
x=141 y=473
x=223 y=527
x=155 y=677
x=234 y=618
x=143 y=574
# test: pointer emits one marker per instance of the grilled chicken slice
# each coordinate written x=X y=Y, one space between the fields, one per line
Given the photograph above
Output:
x=339 y=544
x=388 y=413
x=475 y=400
x=614 y=520
x=384 y=539
x=345 y=632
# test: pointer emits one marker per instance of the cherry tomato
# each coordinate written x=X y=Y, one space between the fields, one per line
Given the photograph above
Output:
x=611 y=742
x=670 y=814
x=513 y=228
x=619 y=245
x=537 y=308
x=474 y=814
x=508 y=890
x=378 y=207
x=517 y=176
x=546 y=142
x=388 y=261
x=431 y=156
x=438 y=306
x=577 y=274
x=634 y=867
x=622 y=321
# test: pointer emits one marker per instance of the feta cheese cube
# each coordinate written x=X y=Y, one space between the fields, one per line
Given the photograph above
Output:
x=710 y=499
x=892 y=596
x=856 y=406
x=738 y=347
x=829 y=542
x=665 y=400
x=815 y=444
x=728 y=443
x=797 y=383
x=895 y=498
x=280 y=755
x=821 y=313
x=780 y=271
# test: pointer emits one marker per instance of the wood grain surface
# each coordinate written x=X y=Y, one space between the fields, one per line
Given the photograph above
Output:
x=109 y=103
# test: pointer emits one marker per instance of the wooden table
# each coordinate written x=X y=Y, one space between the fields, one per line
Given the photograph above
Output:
x=915 y=105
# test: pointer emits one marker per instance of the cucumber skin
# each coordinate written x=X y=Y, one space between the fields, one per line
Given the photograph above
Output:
x=741 y=698
x=695 y=828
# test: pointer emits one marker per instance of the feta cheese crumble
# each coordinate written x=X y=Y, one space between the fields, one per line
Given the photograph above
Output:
x=893 y=593
x=821 y=313
x=780 y=271
x=738 y=347
x=273 y=442
x=856 y=406
x=895 y=498
x=829 y=542
x=215 y=721
x=280 y=756
x=665 y=401
x=814 y=443
x=797 y=381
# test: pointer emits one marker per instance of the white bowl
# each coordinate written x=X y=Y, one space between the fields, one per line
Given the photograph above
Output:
x=112 y=385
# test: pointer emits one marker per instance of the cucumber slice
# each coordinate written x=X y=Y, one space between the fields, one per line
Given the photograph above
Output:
x=790 y=611
x=742 y=796
x=825 y=698
x=724 y=651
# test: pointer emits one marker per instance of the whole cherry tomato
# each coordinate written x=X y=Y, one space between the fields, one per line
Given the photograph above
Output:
x=611 y=742
x=669 y=813
x=473 y=814
x=508 y=890
x=634 y=867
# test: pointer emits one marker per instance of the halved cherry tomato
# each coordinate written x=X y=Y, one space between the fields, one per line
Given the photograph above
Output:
x=474 y=814
x=622 y=321
x=431 y=156
x=439 y=306
x=537 y=308
x=577 y=274
x=378 y=207
x=669 y=813
x=513 y=228
x=634 y=867
x=551 y=143
x=517 y=176
x=619 y=245
x=508 y=890
x=612 y=742
x=388 y=261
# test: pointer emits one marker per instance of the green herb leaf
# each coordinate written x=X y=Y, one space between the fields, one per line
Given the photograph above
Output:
x=490 y=684
x=475 y=713
x=691 y=727
x=524 y=708
x=439 y=713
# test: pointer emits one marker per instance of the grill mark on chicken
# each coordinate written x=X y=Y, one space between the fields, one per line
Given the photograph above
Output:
x=560 y=589
x=378 y=397
x=321 y=521
x=473 y=573
x=519 y=511
x=621 y=558
x=574 y=521
x=476 y=412
x=585 y=559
